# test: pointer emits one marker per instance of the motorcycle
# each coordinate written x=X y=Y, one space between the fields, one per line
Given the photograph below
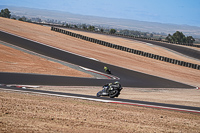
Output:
x=112 y=93
x=108 y=71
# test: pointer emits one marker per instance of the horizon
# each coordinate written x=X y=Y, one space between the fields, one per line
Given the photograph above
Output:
x=145 y=10
x=102 y=16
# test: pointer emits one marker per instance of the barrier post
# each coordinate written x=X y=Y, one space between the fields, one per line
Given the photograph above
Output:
x=198 y=67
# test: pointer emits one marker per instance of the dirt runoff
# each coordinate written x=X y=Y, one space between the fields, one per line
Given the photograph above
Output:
x=37 y=113
x=13 y=60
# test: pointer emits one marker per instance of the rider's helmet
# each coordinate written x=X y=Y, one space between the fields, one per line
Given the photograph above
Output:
x=110 y=84
x=116 y=82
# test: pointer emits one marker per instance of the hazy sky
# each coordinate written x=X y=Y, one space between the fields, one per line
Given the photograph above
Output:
x=164 y=11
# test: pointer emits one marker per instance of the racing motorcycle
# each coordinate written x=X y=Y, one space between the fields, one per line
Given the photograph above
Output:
x=112 y=92
x=108 y=71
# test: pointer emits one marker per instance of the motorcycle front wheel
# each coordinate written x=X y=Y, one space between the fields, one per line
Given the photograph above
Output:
x=99 y=93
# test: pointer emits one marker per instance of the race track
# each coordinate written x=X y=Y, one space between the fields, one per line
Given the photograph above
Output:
x=184 y=50
x=109 y=100
x=128 y=78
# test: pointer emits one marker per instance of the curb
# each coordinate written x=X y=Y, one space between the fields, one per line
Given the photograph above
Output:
x=100 y=73
x=20 y=86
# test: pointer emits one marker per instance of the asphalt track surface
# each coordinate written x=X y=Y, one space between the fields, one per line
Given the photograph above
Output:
x=185 y=50
x=128 y=78
x=109 y=100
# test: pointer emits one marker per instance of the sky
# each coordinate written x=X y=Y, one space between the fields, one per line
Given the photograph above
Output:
x=184 y=12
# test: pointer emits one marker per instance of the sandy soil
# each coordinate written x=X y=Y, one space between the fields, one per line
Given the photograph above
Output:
x=127 y=60
x=13 y=60
x=36 y=113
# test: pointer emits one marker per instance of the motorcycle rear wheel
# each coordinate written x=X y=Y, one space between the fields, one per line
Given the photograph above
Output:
x=113 y=94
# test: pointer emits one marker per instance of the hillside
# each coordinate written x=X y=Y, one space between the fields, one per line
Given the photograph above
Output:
x=13 y=60
x=135 y=62
x=106 y=22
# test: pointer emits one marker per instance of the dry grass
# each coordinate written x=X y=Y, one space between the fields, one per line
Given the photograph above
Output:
x=134 y=62
x=13 y=60
x=36 y=113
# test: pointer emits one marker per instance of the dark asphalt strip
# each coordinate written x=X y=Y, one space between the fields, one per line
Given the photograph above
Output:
x=185 y=50
x=38 y=79
x=127 y=77
x=113 y=100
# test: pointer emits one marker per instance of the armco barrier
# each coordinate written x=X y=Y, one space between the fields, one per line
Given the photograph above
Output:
x=138 y=52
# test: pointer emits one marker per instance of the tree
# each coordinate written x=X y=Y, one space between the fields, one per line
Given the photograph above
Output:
x=112 y=31
x=67 y=25
x=137 y=33
x=151 y=35
x=5 y=13
x=84 y=26
x=102 y=30
x=189 y=39
x=125 y=32
x=145 y=34
x=179 y=37
x=75 y=26
x=92 y=28
x=169 y=38
x=13 y=18
x=22 y=19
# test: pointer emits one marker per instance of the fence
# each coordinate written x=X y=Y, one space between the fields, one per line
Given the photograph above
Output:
x=138 y=52
x=128 y=36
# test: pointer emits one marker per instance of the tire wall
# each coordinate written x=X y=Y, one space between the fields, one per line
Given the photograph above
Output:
x=130 y=50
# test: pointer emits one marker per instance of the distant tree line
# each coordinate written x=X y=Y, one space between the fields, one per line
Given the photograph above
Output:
x=179 y=37
x=135 y=33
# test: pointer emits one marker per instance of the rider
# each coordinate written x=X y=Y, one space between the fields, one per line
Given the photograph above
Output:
x=111 y=86
x=116 y=85
x=106 y=68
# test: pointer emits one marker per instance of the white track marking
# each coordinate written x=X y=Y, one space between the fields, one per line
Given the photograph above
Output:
x=27 y=86
x=50 y=46
x=91 y=70
x=108 y=101
x=42 y=93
